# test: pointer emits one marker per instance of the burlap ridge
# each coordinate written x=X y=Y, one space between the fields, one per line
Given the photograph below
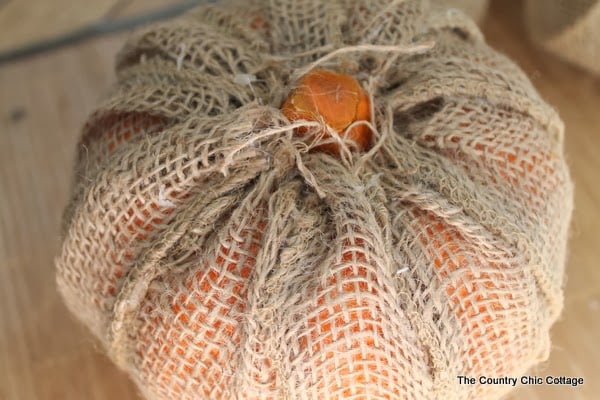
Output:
x=207 y=248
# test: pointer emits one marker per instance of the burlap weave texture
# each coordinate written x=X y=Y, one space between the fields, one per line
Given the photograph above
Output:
x=215 y=256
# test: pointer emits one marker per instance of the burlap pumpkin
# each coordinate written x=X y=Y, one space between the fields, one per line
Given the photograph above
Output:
x=216 y=256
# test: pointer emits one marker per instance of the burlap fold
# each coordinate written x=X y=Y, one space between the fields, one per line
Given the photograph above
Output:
x=215 y=256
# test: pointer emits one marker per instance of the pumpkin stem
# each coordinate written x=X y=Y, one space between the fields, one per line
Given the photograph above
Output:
x=335 y=100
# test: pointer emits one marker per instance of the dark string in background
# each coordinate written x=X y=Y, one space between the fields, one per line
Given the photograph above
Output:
x=101 y=27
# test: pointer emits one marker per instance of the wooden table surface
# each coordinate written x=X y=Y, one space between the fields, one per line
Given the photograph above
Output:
x=25 y=21
x=45 y=354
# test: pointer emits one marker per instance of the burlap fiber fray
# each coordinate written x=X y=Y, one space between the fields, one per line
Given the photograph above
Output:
x=567 y=28
x=215 y=256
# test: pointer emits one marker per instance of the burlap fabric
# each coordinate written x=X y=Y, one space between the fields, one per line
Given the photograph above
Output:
x=567 y=28
x=215 y=256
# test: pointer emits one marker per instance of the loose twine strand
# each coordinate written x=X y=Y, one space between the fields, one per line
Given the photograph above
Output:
x=410 y=49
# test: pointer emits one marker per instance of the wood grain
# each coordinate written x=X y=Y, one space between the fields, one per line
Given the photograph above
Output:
x=45 y=354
